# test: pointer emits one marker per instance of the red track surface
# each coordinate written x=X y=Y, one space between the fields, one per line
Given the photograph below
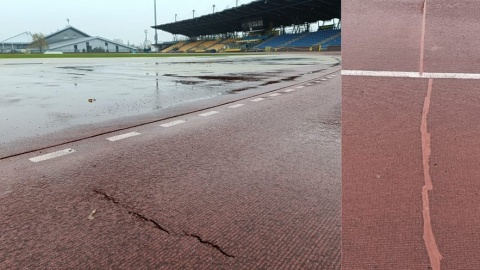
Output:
x=251 y=188
x=384 y=216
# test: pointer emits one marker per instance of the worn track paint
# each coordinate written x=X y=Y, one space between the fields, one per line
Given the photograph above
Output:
x=275 y=95
x=236 y=106
x=174 y=123
x=208 y=113
x=52 y=155
x=428 y=236
x=257 y=99
x=123 y=136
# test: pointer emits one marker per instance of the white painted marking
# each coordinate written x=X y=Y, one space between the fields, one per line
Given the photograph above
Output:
x=300 y=87
x=275 y=95
x=308 y=84
x=317 y=82
x=123 y=136
x=401 y=74
x=52 y=155
x=323 y=79
x=208 y=113
x=289 y=90
x=236 y=106
x=257 y=99
x=174 y=123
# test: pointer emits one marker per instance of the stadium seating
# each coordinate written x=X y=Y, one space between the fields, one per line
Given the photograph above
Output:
x=337 y=41
x=204 y=46
x=171 y=48
x=189 y=46
x=314 y=38
x=278 y=41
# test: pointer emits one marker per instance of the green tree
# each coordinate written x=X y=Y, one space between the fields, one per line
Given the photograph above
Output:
x=39 y=42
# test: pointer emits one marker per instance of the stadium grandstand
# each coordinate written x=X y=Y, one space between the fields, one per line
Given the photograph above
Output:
x=262 y=25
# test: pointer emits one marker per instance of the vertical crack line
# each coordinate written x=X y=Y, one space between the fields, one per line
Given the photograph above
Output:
x=422 y=38
x=217 y=247
x=428 y=237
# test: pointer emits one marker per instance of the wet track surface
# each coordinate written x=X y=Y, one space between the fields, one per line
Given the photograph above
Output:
x=39 y=97
x=250 y=184
x=410 y=145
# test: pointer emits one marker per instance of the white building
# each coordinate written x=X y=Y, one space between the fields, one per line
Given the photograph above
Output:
x=72 y=40
x=67 y=40
x=17 y=43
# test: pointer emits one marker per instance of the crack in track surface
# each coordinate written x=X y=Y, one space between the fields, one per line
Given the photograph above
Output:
x=205 y=242
x=158 y=225
x=142 y=217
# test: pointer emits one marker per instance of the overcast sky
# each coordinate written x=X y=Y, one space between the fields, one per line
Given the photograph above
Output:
x=112 y=19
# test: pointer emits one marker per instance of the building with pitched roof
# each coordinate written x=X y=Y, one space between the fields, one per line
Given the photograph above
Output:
x=67 y=40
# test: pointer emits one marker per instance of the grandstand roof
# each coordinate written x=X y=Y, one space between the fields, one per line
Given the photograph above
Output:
x=274 y=13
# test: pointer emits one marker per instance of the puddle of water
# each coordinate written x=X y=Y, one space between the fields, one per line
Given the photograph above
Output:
x=72 y=92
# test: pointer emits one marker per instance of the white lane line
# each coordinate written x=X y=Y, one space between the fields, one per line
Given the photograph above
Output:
x=323 y=80
x=289 y=90
x=274 y=95
x=333 y=75
x=308 y=84
x=208 y=113
x=174 y=123
x=123 y=136
x=257 y=99
x=300 y=87
x=317 y=81
x=401 y=74
x=236 y=106
x=52 y=155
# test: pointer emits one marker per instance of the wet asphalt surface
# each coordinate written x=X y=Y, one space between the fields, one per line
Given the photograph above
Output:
x=40 y=97
x=251 y=187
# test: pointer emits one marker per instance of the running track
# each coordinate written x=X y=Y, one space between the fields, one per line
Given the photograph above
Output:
x=410 y=139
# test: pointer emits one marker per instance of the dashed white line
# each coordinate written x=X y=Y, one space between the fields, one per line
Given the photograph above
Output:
x=174 y=123
x=236 y=106
x=289 y=90
x=257 y=99
x=323 y=79
x=123 y=136
x=300 y=87
x=400 y=74
x=52 y=155
x=208 y=113
x=274 y=95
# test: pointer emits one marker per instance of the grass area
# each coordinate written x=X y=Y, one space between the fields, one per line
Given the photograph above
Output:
x=110 y=55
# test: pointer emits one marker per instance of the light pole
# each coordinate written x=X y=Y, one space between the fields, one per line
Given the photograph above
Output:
x=193 y=13
x=175 y=17
x=145 y=43
x=213 y=8
x=237 y=3
x=155 y=8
